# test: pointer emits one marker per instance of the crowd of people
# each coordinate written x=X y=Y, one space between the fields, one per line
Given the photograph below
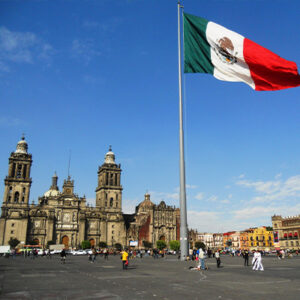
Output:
x=199 y=255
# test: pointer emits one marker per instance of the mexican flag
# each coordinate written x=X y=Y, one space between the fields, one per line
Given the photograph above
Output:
x=227 y=55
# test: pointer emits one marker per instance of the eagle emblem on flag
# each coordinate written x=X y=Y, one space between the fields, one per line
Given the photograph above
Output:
x=225 y=50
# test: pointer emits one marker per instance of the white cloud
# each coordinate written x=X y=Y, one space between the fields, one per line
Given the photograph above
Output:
x=277 y=190
x=202 y=220
x=225 y=201
x=212 y=198
x=91 y=202
x=128 y=206
x=84 y=49
x=255 y=212
x=190 y=186
x=21 y=47
x=199 y=196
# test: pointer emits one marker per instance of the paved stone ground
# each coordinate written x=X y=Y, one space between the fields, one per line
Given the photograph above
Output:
x=147 y=278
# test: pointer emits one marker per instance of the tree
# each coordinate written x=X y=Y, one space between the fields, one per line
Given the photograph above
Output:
x=175 y=245
x=102 y=245
x=199 y=245
x=160 y=244
x=118 y=246
x=147 y=244
x=13 y=242
x=85 y=244
x=269 y=228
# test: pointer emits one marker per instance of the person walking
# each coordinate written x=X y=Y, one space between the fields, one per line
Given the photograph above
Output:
x=94 y=254
x=124 y=259
x=259 y=265
x=257 y=262
x=246 y=258
x=218 y=259
x=63 y=256
x=106 y=253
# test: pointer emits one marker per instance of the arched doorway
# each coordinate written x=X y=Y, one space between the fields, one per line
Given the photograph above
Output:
x=92 y=242
x=65 y=241
x=162 y=238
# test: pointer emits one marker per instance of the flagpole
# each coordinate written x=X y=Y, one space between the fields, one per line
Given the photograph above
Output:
x=183 y=214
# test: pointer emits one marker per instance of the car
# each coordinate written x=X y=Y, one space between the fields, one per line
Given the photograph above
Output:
x=55 y=252
x=79 y=252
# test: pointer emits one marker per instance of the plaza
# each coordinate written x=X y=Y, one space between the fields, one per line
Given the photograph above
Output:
x=147 y=278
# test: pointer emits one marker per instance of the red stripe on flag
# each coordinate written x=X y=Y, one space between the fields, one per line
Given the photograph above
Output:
x=268 y=70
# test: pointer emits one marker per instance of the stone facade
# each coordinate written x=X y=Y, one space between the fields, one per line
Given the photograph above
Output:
x=62 y=217
x=286 y=232
x=151 y=223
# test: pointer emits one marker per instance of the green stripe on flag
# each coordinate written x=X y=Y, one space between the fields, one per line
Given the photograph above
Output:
x=197 y=57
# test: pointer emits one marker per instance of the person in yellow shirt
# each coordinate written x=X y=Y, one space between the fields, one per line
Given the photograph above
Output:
x=124 y=259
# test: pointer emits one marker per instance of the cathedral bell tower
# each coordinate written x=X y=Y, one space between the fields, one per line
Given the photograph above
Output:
x=109 y=190
x=15 y=207
x=18 y=181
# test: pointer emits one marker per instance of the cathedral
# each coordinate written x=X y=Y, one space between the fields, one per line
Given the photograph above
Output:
x=62 y=217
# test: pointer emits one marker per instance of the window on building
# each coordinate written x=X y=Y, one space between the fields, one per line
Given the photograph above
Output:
x=13 y=170
x=12 y=224
x=23 y=199
x=111 y=179
x=105 y=203
x=12 y=232
x=287 y=244
x=297 y=243
x=19 y=171
x=292 y=244
x=111 y=202
x=24 y=190
x=257 y=238
x=17 y=195
x=112 y=232
x=24 y=171
x=116 y=179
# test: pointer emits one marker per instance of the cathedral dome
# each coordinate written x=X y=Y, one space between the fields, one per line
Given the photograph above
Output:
x=22 y=146
x=110 y=157
x=51 y=193
x=147 y=202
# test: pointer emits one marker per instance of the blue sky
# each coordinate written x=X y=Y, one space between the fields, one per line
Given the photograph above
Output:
x=82 y=75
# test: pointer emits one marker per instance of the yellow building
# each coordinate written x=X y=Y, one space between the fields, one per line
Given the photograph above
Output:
x=260 y=238
x=244 y=239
